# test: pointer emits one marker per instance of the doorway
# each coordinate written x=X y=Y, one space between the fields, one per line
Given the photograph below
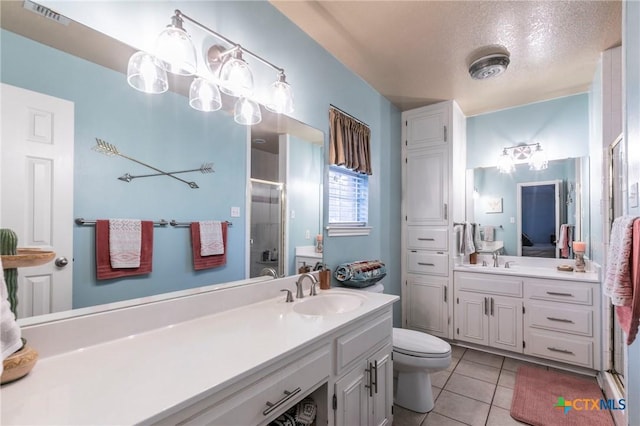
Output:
x=538 y=221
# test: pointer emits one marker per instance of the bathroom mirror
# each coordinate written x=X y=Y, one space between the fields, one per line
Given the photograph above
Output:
x=492 y=200
x=72 y=62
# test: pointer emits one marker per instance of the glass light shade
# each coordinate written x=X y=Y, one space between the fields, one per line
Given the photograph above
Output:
x=236 y=78
x=144 y=74
x=281 y=98
x=505 y=163
x=247 y=112
x=204 y=95
x=176 y=51
x=538 y=159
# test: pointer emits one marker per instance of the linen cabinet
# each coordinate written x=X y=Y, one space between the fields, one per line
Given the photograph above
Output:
x=433 y=178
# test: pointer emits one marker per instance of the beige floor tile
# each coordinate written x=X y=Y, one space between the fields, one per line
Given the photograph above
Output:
x=436 y=392
x=507 y=379
x=457 y=351
x=439 y=378
x=404 y=417
x=512 y=364
x=473 y=388
x=478 y=371
x=435 y=419
x=454 y=363
x=501 y=417
x=485 y=358
x=461 y=408
x=503 y=397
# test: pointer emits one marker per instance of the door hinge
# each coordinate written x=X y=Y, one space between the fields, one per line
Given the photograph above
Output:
x=406 y=218
x=391 y=356
x=335 y=402
x=392 y=409
x=524 y=344
x=457 y=330
x=448 y=320
x=523 y=309
x=406 y=143
x=406 y=161
x=406 y=122
x=445 y=133
x=457 y=300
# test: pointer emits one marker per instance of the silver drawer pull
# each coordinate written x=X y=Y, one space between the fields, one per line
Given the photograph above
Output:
x=554 y=293
x=564 y=351
x=559 y=320
x=426 y=239
x=426 y=264
x=287 y=396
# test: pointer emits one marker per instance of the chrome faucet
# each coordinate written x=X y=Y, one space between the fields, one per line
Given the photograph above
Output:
x=508 y=264
x=268 y=272
x=312 y=291
x=495 y=259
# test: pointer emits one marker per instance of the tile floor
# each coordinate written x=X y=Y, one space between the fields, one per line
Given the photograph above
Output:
x=475 y=390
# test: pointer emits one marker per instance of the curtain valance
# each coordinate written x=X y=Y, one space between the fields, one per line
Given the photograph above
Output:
x=349 y=142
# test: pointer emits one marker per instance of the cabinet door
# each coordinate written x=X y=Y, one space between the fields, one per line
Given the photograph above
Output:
x=426 y=187
x=505 y=323
x=427 y=304
x=472 y=317
x=352 y=397
x=428 y=128
x=382 y=399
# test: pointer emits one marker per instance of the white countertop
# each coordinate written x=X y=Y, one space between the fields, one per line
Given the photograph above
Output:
x=132 y=379
x=546 y=272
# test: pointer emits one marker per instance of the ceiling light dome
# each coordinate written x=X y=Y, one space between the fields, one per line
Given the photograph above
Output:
x=489 y=66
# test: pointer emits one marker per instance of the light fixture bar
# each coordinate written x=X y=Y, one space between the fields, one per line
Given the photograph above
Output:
x=236 y=46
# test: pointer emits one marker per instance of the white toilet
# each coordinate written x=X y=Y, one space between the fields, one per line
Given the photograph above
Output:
x=415 y=356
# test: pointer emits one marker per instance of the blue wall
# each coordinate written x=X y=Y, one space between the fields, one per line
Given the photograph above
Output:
x=318 y=80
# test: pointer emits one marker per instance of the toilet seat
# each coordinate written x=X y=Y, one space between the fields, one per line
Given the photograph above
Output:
x=418 y=344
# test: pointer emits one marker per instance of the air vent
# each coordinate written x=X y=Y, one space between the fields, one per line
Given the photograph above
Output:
x=46 y=12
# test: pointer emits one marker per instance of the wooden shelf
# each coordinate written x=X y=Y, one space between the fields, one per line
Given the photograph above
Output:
x=27 y=257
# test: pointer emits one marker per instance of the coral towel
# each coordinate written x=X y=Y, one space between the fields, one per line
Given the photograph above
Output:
x=104 y=269
x=205 y=262
x=563 y=241
x=211 y=238
x=617 y=280
x=629 y=316
x=125 y=241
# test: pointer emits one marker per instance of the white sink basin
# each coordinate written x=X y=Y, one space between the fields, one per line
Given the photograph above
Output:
x=326 y=304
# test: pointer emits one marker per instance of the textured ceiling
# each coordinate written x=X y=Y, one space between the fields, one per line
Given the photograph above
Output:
x=417 y=52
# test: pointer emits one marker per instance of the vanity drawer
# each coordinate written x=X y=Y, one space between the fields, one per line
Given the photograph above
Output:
x=427 y=238
x=354 y=345
x=567 y=293
x=488 y=284
x=574 y=320
x=425 y=262
x=247 y=406
x=561 y=348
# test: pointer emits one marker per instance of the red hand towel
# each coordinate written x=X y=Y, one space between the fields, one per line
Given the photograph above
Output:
x=629 y=316
x=104 y=271
x=206 y=262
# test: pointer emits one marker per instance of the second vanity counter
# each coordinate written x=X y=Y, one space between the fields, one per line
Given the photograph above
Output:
x=145 y=377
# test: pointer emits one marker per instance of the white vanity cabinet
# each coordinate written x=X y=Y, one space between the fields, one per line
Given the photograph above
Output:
x=560 y=321
x=488 y=310
x=364 y=388
x=433 y=198
x=550 y=319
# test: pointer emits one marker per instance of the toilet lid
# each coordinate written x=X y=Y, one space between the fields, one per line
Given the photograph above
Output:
x=416 y=343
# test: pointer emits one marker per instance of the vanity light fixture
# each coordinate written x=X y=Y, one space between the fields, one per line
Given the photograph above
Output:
x=532 y=153
x=232 y=75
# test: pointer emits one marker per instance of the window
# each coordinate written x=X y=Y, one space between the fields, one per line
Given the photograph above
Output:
x=348 y=198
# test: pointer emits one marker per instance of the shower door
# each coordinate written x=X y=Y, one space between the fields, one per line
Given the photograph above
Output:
x=267 y=227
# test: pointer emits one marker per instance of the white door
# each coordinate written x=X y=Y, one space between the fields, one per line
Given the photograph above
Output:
x=426 y=304
x=36 y=192
x=472 y=317
x=506 y=323
x=353 y=398
x=426 y=184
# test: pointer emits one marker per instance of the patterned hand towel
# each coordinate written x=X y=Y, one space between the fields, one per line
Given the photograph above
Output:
x=125 y=242
x=211 y=238
x=205 y=262
x=629 y=316
x=617 y=280
x=104 y=270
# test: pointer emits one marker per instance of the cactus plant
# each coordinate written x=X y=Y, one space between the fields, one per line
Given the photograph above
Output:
x=9 y=246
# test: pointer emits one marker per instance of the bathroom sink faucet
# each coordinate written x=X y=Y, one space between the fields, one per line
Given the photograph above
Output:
x=495 y=259
x=312 y=291
x=509 y=263
x=268 y=272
